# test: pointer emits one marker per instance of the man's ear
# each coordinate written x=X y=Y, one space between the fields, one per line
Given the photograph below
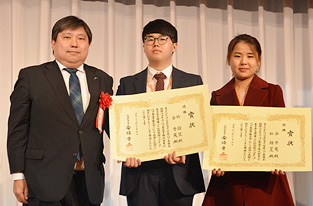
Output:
x=175 y=47
x=52 y=44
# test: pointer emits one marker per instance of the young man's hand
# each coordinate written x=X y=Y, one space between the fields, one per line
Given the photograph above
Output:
x=131 y=162
x=173 y=159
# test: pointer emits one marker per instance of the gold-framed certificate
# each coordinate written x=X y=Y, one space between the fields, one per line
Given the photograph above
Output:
x=149 y=126
x=260 y=139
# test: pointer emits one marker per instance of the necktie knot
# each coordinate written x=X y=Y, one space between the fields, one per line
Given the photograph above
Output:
x=71 y=71
x=160 y=76
x=160 y=81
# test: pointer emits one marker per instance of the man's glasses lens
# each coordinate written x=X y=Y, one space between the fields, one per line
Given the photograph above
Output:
x=161 y=40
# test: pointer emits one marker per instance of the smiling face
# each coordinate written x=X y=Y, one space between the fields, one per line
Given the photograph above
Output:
x=71 y=47
x=244 y=61
x=159 y=56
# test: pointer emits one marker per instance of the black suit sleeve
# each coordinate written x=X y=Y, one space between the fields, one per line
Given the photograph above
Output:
x=199 y=80
x=18 y=125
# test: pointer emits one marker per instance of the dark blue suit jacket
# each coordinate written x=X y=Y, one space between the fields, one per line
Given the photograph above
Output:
x=188 y=177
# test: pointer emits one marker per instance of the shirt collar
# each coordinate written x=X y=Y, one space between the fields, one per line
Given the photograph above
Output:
x=167 y=71
x=61 y=66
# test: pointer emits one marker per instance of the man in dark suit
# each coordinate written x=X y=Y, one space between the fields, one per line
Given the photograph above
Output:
x=174 y=180
x=55 y=150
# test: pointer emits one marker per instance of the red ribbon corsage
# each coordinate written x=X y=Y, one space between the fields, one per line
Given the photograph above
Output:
x=105 y=102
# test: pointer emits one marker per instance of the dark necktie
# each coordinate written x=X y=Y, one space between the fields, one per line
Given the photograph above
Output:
x=76 y=99
x=75 y=95
x=160 y=81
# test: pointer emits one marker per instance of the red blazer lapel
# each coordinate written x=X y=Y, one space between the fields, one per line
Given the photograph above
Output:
x=227 y=95
x=256 y=95
x=257 y=92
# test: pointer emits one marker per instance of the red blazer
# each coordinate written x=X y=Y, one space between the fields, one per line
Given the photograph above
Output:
x=249 y=188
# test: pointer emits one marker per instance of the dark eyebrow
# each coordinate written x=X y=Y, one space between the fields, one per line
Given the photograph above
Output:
x=247 y=53
x=154 y=37
x=67 y=33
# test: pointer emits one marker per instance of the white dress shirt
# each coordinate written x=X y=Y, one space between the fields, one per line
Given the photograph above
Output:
x=167 y=82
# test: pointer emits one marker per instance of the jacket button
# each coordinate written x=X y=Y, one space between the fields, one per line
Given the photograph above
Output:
x=80 y=132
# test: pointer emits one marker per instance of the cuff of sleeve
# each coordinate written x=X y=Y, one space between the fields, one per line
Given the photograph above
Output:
x=18 y=176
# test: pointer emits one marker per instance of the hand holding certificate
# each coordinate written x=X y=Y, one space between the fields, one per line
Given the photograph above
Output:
x=150 y=125
x=260 y=139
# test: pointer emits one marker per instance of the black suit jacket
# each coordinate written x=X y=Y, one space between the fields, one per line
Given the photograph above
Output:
x=44 y=134
x=188 y=177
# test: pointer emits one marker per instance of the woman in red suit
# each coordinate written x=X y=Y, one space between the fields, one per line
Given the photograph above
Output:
x=247 y=89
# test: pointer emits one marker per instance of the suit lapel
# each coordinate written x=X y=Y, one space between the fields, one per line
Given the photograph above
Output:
x=140 y=85
x=94 y=90
x=56 y=81
x=177 y=79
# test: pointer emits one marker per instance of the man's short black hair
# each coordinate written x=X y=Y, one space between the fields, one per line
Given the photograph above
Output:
x=162 y=27
x=70 y=22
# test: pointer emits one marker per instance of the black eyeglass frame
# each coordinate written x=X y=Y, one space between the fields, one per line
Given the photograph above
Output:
x=154 y=38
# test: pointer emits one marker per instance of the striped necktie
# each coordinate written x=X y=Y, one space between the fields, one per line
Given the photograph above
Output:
x=76 y=99
x=75 y=95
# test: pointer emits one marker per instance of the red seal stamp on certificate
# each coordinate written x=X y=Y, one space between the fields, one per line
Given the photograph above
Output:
x=223 y=156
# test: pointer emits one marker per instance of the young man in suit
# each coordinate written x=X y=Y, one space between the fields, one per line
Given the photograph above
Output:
x=55 y=150
x=173 y=180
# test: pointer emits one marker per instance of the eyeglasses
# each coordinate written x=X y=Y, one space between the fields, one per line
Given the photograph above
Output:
x=161 y=39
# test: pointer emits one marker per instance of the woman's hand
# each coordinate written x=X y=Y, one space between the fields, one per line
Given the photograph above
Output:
x=277 y=172
x=218 y=172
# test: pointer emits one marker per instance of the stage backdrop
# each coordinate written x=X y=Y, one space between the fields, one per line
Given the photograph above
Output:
x=205 y=27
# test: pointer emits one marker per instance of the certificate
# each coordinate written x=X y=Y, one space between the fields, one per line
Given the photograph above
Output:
x=260 y=139
x=149 y=126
